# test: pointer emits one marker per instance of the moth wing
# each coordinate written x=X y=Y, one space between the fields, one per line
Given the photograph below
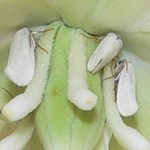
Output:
x=21 y=62
x=126 y=97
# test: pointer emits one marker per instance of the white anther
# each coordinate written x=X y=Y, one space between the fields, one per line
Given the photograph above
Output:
x=105 y=52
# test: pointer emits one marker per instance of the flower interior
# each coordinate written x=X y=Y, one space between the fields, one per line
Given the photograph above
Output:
x=69 y=89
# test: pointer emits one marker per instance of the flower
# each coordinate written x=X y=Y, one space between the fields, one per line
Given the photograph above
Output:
x=128 y=19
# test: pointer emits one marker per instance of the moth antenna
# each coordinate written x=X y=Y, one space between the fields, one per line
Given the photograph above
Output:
x=43 y=31
x=36 y=43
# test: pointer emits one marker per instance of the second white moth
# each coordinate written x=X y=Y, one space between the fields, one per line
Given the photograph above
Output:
x=126 y=93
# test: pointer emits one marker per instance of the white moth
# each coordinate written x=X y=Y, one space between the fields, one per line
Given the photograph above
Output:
x=105 y=52
x=126 y=95
x=21 y=62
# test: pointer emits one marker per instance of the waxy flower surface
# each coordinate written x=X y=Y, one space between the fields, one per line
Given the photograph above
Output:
x=56 y=94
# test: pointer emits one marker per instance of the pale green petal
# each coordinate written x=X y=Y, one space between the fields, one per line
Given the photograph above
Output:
x=131 y=19
x=138 y=43
x=16 y=13
x=93 y=15
x=99 y=16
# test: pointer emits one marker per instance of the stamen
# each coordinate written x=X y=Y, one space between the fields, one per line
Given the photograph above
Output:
x=78 y=92
x=19 y=138
x=25 y=103
x=105 y=52
x=126 y=136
